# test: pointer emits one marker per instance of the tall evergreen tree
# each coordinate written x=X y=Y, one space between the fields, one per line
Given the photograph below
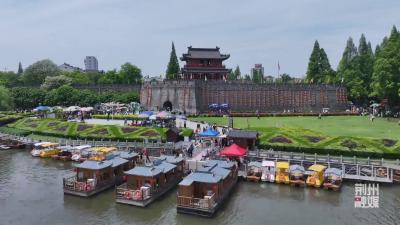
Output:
x=237 y=72
x=173 y=65
x=319 y=69
x=20 y=70
x=385 y=82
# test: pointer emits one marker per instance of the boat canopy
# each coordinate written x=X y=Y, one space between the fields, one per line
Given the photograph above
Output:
x=94 y=165
x=333 y=171
x=46 y=145
x=317 y=168
x=105 y=149
x=296 y=168
x=127 y=155
x=233 y=150
x=41 y=144
x=268 y=163
x=81 y=147
x=254 y=164
x=209 y=133
x=282 y=165
x=144 y=171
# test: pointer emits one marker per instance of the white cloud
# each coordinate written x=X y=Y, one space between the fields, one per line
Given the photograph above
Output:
x=141 y=32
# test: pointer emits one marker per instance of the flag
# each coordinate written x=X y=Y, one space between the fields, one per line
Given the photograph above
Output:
x=279 y=67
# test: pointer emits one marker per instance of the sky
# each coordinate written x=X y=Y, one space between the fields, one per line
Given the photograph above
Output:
x=141 y=32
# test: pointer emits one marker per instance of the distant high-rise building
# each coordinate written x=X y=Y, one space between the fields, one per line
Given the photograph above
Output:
x=259 y=69
x=91 y=63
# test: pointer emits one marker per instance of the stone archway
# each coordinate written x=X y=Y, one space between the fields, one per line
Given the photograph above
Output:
x=167 y=106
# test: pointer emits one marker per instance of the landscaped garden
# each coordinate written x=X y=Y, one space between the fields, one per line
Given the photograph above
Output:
x=339 y=135
x=58 y=128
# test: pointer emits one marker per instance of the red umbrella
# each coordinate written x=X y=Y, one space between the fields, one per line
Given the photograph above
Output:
x=233 y=150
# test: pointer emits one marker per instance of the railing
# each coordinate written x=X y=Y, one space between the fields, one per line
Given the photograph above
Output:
x=123 y=192
x=198 y=203
x=72 y=184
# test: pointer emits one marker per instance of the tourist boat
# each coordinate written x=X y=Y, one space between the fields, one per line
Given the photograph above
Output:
x=50 y=151
x=203 y=192
x=316 y=175
x=333 y=179
x=64 y=154
x=145 y=184
x=81 y=153
x=39 y=147
x=103 y=153
x=297 y=175
x=282 y=173
x=178 y=161
x=253 y=171
x=268 y=171
x=90 y=178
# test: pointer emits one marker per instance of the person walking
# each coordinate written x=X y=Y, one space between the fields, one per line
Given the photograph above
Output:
x=146 y=154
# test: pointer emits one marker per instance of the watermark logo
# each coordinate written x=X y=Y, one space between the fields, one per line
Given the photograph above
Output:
x=366 y=195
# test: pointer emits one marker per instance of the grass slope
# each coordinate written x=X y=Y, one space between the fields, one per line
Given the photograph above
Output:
x=58 y=128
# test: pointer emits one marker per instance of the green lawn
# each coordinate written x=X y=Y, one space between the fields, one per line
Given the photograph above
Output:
x=356 y=126
x=347 y=135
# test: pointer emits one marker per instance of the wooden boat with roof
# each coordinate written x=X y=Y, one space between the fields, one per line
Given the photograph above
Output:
x=38 y=148
x=296 y=175
x=94 y=176
x=203 y=192
x=333 y=179
x=145 y=184
x=268 y=171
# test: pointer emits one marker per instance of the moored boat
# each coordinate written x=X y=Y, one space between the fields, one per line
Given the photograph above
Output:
x=253 y=171
x=282 y=173
x=268 y=171
x=103 y=153
x=297 y=175
x=39 y=147
x=81 y=153
x=90 y=178
x=203 y=192
x=145 y=184
x=333 y=179
x=316 y=175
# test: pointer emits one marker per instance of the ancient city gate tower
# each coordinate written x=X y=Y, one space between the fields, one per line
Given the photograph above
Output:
x=203 y=82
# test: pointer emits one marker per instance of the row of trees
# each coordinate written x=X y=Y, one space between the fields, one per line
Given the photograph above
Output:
x=367 y=75
x=49 y=76
x=24 y=98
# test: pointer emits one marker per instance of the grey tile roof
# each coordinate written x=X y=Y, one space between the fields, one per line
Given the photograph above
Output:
x=249 y=134
x=165 y=167
x=144 y=171
x=254 y=163
x=219 y=163
x=94 y=165
x=117 y=161
x=200 y=177
x=171 y=159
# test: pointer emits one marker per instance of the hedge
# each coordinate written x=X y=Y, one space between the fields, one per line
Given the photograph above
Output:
x=253 y=114
x=118 y=117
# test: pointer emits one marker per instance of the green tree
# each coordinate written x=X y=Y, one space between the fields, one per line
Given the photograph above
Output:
x=319 y=69
x=173 y=65
x=63 y=96
x=27 y=98
x=129 y=74
x=36 y=73
x=385 y=82
x=6 y=101
x=247 y=77
x=231 y=76
x=9 y=79
x=20 y=69
x=286 y=78
x=56 y=82
x=78 y=78
x=257 y=77
x=110 y=77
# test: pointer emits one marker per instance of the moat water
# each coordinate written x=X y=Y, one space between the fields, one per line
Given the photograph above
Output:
x=31 y=193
